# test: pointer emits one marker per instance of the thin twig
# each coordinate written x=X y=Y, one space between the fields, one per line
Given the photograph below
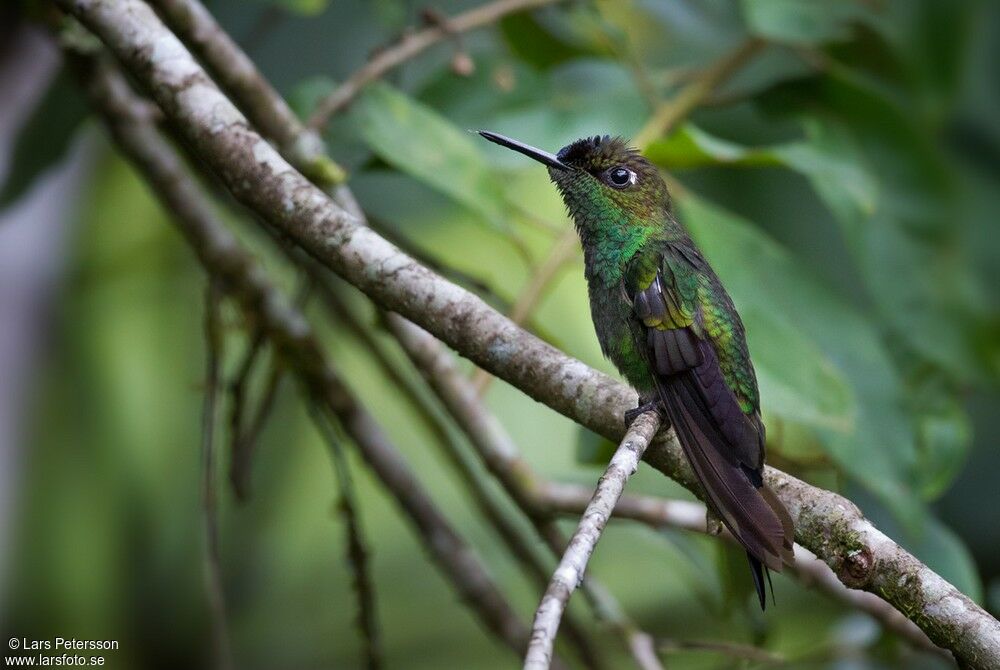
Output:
x=221 y=649
x=357 y=550
x=574 y=562
x=412 y=44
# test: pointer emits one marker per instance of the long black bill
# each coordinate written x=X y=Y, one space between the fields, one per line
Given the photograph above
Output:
x=543 y=157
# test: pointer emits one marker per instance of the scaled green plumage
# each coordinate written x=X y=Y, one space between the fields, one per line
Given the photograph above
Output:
x=664 y=319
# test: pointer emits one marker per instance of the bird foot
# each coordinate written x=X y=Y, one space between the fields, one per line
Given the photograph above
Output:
x=647 y=406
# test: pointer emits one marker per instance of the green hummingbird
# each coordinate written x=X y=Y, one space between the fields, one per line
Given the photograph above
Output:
x=664 y=319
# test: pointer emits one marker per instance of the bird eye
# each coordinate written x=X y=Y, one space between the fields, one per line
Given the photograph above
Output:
x=620 y=177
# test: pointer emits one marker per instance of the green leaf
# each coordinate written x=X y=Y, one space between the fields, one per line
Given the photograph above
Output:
x=690 y=147
x=944 y=434
x=416 y=140
x=945 y=553
x=734 y=577
x=300 y=7
x=877 y=448
x=897 y=211
x=536 y=43
x=45 y=138
x=803 y=21
x=593 y=449
x=307 y=93
x=797 y=380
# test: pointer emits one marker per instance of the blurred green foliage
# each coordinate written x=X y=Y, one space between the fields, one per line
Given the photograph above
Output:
x=843 y=184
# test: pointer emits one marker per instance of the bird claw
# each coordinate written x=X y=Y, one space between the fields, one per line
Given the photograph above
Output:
x=633 y=414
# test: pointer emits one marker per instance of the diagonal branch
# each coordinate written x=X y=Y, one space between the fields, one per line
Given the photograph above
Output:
x=826 y=523
x=574 y=562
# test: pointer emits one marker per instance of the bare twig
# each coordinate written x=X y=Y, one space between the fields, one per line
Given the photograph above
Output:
x=357 y=550
x=221 y=650
x=411 y=45
x=574 y=562
x=259 y=177
x=238 y=274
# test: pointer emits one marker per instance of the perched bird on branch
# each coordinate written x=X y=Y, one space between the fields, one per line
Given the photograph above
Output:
x=664 y=319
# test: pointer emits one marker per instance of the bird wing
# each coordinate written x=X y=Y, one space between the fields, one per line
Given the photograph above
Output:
x=675 y=297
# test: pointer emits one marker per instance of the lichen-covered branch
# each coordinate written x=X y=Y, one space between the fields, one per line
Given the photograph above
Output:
x=571 y=568
x=258 y=176
x=242 y=279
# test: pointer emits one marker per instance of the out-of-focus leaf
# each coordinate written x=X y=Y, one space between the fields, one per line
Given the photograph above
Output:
x=300 y=7
x=535 y=43
x=426 y=146
x=583 y=97
x=308 y=93
x=691 y=147
x=803 y=21
x=734 y=576
x=892 y=219
x=593 y=449
x=907 y=245
x=798 y=381
x=944 y=435
x=45 y=137
x=879 y=451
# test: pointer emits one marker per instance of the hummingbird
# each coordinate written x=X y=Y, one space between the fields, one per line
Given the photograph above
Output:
x=664 y=319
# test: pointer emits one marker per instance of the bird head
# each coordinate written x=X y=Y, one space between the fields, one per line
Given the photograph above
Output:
x=601 y=179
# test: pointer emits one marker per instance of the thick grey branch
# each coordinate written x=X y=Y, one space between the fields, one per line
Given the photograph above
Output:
x=570 y=571
x=826 y=523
